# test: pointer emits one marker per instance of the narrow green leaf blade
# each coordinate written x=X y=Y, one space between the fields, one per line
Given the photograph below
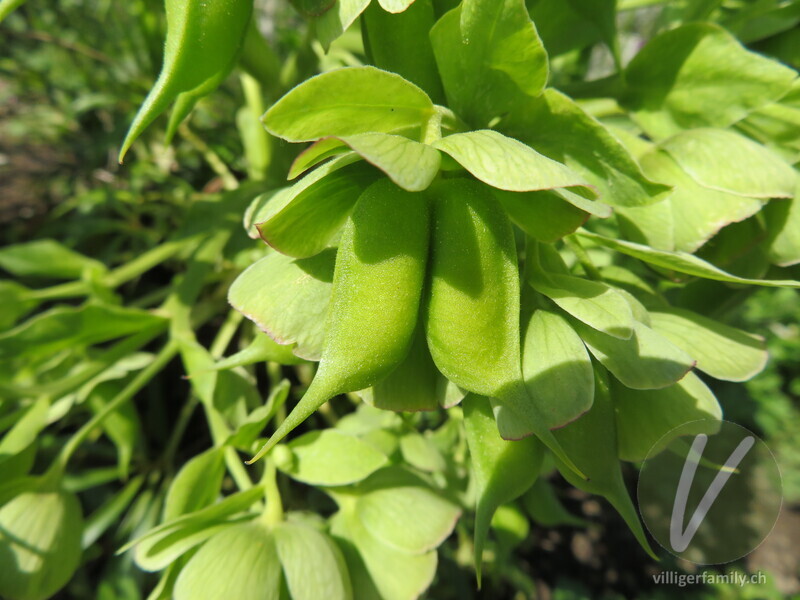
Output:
x=681 y=262
x=47 y=259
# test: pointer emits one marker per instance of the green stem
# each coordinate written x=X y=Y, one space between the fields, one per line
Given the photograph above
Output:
x=143 y=263
x=225 y=334
x=114 y=278
x=273 y=512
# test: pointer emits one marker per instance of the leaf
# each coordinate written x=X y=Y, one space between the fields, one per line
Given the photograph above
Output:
x=251 y=427
x=412 y=520
x=681 y=262
x=783 y=222
x=400 y=43
x=16 y=302
x=591 y=442
x=367 y=560
x=334 y=22
x=507 y=164
x=592 y=302
x=122 y=426
x=544 y=507
x=21 y=438
x=162 y=544
x=729 y=162
x=197 y=484
x=561 y=28
x=315 y=153
x=312 y=564
x=410 y=164
x=239 y=562
x=720 y=350
x=328 y=457
x=502 y=470
x=646 y=361
x=626 y=280
x=775 y=125
x=421 y=453
x=644 y=418
x=545 y=215
x=602 y=14
x=348 y=101
x=262 y=349
x=312 y=8
x=66 y=327
x=40 y=543
x=8 y=6
x=395 y=6
x=288 y=299
x=110 y=512
x=490 y=58
x=46 y=259
x=699 y=75
x=511 y=528
x=557 y=127
x=317 y=206
x=557 y=368
x=690 y=216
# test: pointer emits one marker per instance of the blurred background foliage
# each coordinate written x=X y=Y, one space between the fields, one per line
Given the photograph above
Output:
x=72 y=75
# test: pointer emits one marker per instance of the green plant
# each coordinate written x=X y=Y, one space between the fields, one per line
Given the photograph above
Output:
x=505 y=264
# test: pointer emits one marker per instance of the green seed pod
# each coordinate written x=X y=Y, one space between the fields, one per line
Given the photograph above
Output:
x=413 y=386
x=203 y=42
x=377 y=284
x=40 y=544
x=472 y=317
